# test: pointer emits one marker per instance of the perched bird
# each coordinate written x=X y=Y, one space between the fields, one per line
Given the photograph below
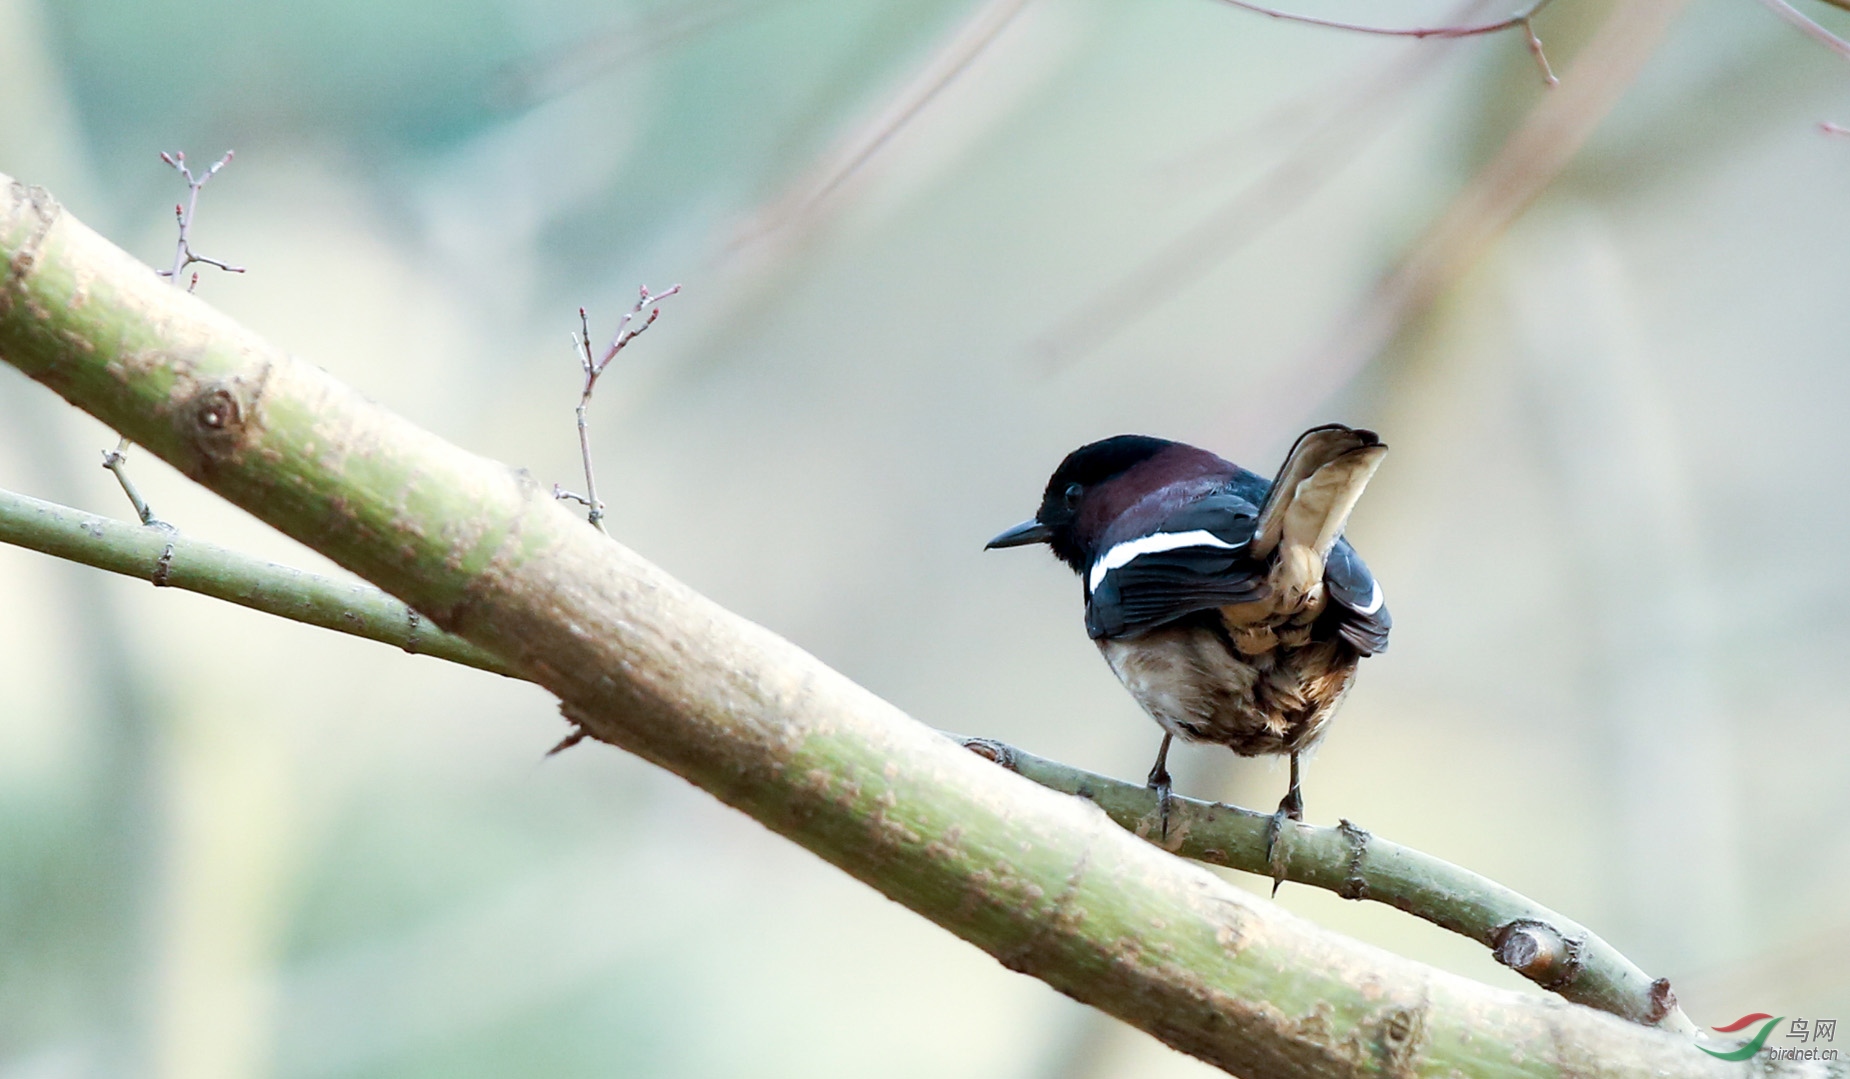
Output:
x=1231 y=608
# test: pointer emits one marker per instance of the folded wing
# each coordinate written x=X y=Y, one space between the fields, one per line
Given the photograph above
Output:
x=1201 y=559
x=1196 y=561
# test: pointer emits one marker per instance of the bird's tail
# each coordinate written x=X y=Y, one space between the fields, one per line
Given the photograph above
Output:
x=1310 y=502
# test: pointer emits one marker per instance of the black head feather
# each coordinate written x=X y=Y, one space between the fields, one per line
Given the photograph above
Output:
x=1084 y=472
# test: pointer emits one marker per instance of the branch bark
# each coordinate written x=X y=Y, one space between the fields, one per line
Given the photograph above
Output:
x=163 y=557
x=1045 y=883
x=1549 y=949
x=1543 y=946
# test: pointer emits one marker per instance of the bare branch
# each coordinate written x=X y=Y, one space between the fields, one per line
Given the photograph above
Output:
x=1323 y=145
x=628 y=329
x=1550 y=949
x=115 y=461
x=1811 y=29
x=948 y=62
x=558 y=71
x=1044 y=883
x=185 y=214
x=1541 y=945
x=1529 y=159
x=1521 y=18
x=1541 y=58
x=170 y=560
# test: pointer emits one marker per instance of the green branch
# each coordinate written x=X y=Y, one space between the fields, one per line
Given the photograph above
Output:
x=1045 y=883
x=168 y=559
x=1523 y=935
x=1536 y=942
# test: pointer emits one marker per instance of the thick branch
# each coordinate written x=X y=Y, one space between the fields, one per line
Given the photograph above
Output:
x=1043 y=882
x=1537 y=943
x=1562 y=956
x=167 y=559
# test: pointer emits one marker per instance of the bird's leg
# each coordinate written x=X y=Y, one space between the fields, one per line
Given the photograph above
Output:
x=1159 y=782
x=1290 y=807
x=1292 y=804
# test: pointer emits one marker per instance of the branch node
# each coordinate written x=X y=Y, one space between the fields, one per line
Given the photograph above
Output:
x=412 y=621
x=1355 y=884
x=163 y=568
x=1663 y=1000
x=216 y=421
x=991 y=750
x=1538 y=951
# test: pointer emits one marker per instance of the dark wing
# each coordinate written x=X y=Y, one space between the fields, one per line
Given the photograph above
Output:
x=1196 y=561
x=1361 y=617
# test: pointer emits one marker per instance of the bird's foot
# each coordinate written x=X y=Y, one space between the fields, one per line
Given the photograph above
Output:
x=1159 y=782
x=1291 y=808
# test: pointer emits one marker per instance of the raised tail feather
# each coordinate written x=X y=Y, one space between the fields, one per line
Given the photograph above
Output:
x=1310 y=502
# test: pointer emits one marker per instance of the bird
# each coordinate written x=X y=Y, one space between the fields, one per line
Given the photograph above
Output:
x=1231 y=608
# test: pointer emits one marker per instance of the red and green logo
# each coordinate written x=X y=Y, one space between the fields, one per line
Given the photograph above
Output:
x=1752 y=1045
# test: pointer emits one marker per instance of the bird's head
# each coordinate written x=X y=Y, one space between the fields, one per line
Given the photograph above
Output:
x=1096 y=485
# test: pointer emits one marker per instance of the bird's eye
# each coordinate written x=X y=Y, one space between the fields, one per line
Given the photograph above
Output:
x=1073 y=491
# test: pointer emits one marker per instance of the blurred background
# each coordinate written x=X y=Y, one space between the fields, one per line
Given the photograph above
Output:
x=927 y=249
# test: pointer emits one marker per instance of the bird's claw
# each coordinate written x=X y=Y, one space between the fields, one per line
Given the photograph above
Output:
x=1160 y=784
x=1290 y=808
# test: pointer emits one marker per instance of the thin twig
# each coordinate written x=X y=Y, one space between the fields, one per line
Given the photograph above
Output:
x=1530 y=158
x=1811 y=29
x=942 y=68
x=555 y=72
x=628 y=329
x=114 y=460
x=1521 y=18
x=170 y=560
x=1323 y=145
x=1541 y=58
x=185 y=214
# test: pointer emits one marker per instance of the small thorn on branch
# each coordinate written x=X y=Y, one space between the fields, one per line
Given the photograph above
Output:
x=578 y=735
x=1830 y=128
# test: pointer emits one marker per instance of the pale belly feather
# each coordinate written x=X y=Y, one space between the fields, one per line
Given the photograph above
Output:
x=1199 y=688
